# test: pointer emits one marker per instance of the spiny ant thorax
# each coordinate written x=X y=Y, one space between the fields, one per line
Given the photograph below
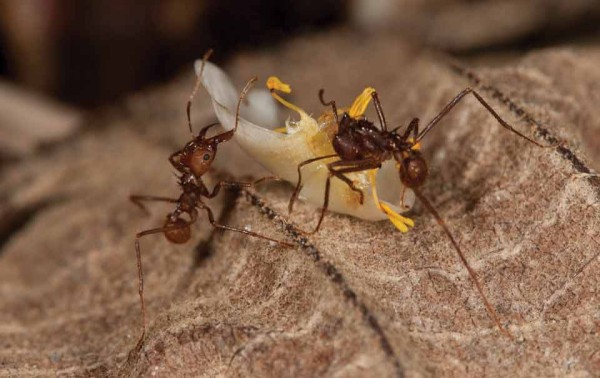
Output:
x=359 y=138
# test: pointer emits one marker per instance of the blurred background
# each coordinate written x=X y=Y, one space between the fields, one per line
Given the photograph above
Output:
x=58 y=57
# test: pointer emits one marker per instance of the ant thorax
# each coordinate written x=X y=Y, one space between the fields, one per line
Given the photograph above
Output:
x=189 y=183
x=359 y=138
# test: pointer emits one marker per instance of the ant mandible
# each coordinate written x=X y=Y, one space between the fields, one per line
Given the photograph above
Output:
x=192 y=162
x=360 y=146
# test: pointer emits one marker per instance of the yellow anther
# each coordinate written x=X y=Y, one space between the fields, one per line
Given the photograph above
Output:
x=360 y=104
x=273 y=83
x=282 y=130
x=401 y=223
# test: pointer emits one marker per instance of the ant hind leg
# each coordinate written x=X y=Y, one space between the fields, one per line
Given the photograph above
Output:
x=487 y=106
x=215 y=224
x=138 y=256
x=238 y=185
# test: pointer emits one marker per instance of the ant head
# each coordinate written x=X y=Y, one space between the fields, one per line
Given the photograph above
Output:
x=198 y=155
x=412 y=167
x=179 y=230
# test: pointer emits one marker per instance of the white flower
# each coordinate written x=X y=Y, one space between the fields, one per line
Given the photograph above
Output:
x=281 y=150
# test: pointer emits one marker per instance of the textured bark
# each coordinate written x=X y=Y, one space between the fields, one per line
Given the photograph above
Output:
x=357 y=297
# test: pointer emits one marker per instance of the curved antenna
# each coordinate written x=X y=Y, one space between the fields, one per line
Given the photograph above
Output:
x=196 y=87
x=442 y=224
x=329 y=103
x=243 y=94
x=223 y=137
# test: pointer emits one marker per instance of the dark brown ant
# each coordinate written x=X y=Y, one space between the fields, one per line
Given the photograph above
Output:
x=192 y=162
x=361 y=146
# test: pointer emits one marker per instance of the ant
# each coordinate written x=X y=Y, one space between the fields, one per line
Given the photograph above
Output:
x=191 y=163
x=360 y=146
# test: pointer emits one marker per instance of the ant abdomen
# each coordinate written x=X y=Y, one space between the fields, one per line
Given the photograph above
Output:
x=179 y=231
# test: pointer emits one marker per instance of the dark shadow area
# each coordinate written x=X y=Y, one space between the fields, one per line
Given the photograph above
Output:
x=12 y=219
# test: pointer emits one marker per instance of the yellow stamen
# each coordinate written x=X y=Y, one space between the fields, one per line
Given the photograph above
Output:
x=401 y=223
x=361 y=102
x=274 y=84
x=282 y=130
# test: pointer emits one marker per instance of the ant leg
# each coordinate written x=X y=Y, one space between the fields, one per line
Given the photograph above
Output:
x=238 y=184
x=329 y=103
x=402 y=193
x=325 y=205
x=137 y=199
x=379 y=111
x=138 y=256
x=196 y=87
x=472 y=274
x=352 y=166
x=413 y=127
x=212 y=221
x=299 y=184
x=456 y=100
x=350 y=185
x=224 y=137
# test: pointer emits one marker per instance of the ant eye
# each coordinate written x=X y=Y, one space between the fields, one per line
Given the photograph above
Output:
x=206 y=157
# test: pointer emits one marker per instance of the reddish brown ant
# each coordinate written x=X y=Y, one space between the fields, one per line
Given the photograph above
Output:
x=360 y=145
x=192 y=162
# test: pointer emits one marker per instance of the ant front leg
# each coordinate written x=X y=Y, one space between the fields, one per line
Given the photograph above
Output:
x=491 y=311
x=348 y=167
x=298 y=187
x=138 y=201
x=413 y=127
x=179 y=229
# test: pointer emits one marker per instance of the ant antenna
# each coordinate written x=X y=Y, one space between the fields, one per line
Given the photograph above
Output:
x=329 y=103
x=442 y=224
x=196 y=87
x=243 y=94
x=223 y=137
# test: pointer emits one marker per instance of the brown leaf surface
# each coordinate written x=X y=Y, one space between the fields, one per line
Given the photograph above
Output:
x=358 y=298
